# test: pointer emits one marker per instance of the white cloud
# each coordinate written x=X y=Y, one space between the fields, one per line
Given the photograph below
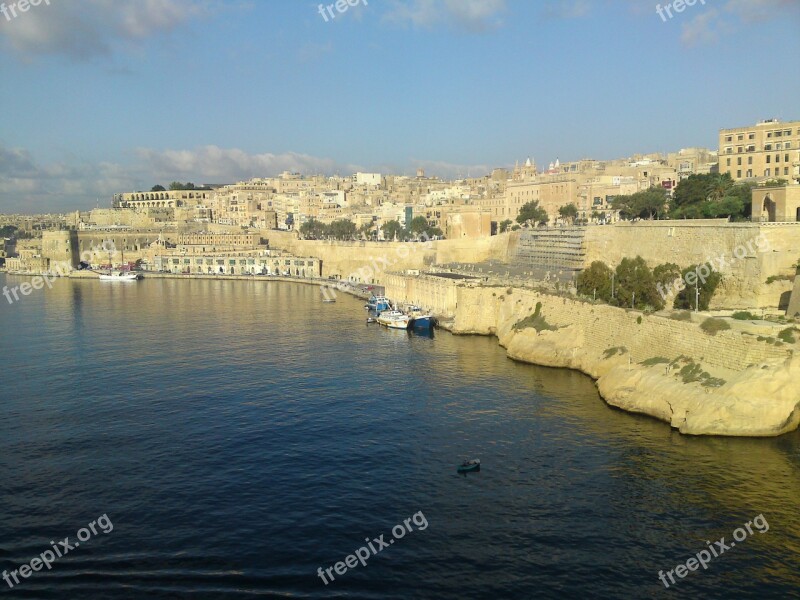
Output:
x=472 y=15
x=29 y=187
x=211 y=164
x=712 y=25
x=703 y=29
x=90 y=28
x=762 y=10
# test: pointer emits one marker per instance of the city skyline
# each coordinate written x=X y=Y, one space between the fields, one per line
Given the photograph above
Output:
x=216 y=92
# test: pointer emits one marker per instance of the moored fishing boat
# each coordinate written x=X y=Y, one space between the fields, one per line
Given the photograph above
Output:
x=118 y=276
x=420 y=320
x=378 y=303
x=394 y=319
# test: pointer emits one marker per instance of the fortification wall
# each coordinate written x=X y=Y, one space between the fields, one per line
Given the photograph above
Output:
x=755 y=391
x=369 y=262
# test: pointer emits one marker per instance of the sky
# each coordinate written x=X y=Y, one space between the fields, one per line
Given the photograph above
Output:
x=105 y=96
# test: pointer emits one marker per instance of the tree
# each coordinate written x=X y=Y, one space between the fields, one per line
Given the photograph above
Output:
x=595 y=279
x=177 y=186
x=697 y=278
x=505 y=225
x=532 y=213
x=709 y=196
x=8 y=231
x=568 y=211
x=342 y=229
x=313 y=229
x=666 y=274
x=420 y=228
x=646 y=204
x=636 y=285
x=158 y=188
x=392 y=230
x=368 y=230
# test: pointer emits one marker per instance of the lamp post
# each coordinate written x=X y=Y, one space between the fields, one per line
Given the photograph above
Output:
x=696 y=298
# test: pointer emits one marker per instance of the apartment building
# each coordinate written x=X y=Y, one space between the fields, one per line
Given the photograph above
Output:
x=768 y=150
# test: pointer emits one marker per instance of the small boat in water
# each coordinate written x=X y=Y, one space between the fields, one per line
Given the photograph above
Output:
x=469 y=466
x=328 y=300
x=119 y=276
x=420 y=320
x=378 y=303
x=394 y=319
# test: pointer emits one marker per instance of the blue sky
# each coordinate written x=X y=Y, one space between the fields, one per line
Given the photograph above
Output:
x=104 y=96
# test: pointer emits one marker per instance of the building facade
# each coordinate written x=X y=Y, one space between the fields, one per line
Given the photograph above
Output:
x=768 y=150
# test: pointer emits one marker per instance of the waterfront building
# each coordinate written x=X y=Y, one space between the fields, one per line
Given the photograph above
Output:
x=768 y=150
x=264 y=263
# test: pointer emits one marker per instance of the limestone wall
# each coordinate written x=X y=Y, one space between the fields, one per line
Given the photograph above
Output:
x=754 y=395
x=371 y=261
x=750 y=252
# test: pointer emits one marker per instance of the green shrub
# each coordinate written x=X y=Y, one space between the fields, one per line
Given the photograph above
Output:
x=639 y=319
x=787 y=335
x=743 y=315
x=536 y=321
x=707 y=286
x=775 y=278
x=712 y=325
x=681 y=315
x=614 y=351
x=656 y=360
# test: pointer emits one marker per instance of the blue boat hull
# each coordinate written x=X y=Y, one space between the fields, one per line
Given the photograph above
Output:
x=423 y=324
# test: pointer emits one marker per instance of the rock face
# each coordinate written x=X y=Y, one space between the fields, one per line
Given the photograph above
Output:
x=728 y=384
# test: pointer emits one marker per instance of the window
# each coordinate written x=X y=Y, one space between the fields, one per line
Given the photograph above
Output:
x=785 y=158
x=769 y=158
x=739 y=174
x=728 y=150
x=767 y=147
x=777 y=158
x=787 y=132
x=766 y=172
x=787 y=145
x=739 y=161
x=749 y=172
x=729 y=162
x=751 y=148
x=769 y=134
x=785 y=170
x=740 y=149
x=728 y=138
x=749 y=160
x=740 y=137
x=751 y=136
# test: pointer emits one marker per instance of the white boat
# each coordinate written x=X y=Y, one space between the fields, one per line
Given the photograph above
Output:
x=394 y=319
x=119 y=276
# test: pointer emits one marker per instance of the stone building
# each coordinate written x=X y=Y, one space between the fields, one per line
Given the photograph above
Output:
x=267 y=263
x=767 y=150
x=776 y=204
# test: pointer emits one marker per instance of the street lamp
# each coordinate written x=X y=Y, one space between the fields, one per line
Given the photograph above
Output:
x=696 y=297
